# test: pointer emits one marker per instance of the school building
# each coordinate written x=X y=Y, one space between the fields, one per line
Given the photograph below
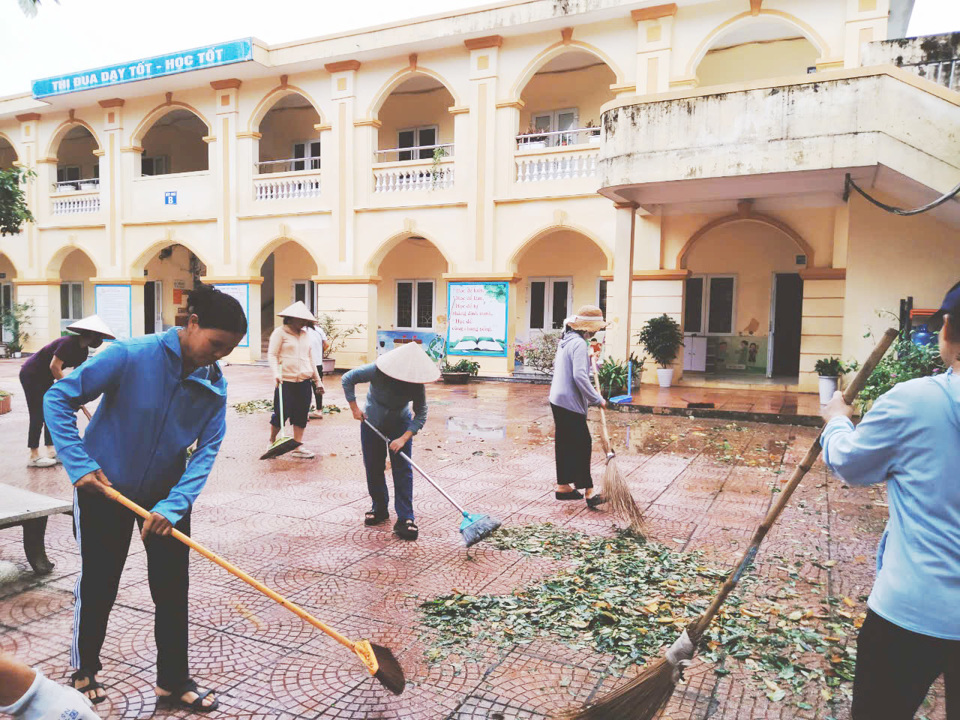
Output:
x=687 y=158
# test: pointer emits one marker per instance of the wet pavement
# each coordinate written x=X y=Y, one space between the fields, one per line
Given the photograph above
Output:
x=297 y=525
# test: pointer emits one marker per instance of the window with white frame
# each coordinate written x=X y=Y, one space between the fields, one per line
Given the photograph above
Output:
x=68 y=173
x=557 y=121
x=421 y=137
x=710 y=305
x=549 y=300
x=309 y=150
x=154 y=165
x=71 y=300
x=414 y=304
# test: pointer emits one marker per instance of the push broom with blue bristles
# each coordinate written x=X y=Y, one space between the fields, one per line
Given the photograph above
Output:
x=474 y=527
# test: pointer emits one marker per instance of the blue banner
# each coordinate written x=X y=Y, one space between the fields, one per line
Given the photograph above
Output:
x=172 y=64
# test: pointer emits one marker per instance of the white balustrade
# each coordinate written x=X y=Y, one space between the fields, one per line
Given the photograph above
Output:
x=412 y=176
x=76 y=203
x=287 y=187
x=557 y=165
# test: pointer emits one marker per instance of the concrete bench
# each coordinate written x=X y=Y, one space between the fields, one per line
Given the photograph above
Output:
x=30 y=511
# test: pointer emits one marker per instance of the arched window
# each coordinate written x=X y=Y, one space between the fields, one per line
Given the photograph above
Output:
x=289 y=139
x=415 y=121
x=175 y=144
x=77 y=165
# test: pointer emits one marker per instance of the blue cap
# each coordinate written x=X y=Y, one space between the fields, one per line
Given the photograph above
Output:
x=950 y=306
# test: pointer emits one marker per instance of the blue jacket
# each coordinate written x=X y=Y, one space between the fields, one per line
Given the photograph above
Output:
x=910 y=439
x=147 y=419
x=388 y=400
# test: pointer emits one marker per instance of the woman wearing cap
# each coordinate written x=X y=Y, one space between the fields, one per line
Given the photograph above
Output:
x=571 y=393
x=397 y=381
x=294 y=371
x=910 y=439
x=45 y=367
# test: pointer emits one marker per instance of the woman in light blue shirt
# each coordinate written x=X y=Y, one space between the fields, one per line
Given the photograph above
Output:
x=910 y=439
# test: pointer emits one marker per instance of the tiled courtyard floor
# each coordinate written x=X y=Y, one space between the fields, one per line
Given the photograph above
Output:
x=297 y=525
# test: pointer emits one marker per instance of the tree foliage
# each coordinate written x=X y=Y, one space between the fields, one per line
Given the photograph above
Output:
x=13 y=202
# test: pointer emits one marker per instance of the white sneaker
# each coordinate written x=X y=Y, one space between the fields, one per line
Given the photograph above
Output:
x=55 y=458
x=41 y=462
x=301 y=453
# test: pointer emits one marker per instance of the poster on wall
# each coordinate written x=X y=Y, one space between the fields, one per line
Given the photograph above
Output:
x=113 y=304
x=240 y=292
x=477 y=317
x=431 y=342
x=741 y=353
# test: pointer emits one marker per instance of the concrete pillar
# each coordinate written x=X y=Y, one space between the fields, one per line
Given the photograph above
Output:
x=246 y=290
x=223 y=168
x=111 y=184
x=618 y=335
x=866 y=22
x=29 y=123
x=484 y=56
x=821 y=333
x=351 y=300
x=44 y=324
x=351 y=169
x=654 y=43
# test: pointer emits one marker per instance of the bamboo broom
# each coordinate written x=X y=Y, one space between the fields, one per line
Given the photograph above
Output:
x=615 y=488
x=647 y=694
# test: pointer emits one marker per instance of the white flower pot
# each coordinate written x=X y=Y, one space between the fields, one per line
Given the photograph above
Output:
x=328 y=365
x=828 y=386
x=17 y=354
x=665 y=377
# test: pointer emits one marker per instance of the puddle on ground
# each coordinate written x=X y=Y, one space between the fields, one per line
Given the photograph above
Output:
x=486 y=429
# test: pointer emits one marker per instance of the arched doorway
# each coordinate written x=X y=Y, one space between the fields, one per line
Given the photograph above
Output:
x=8 y=155
x=287 y=273
x=743 y=302
x=169 y=274
x=174 y=144
x=76 y=290
x=7 y=274
x=78 y=168
x=560 y=270
x=756 y=49
x=411 y=295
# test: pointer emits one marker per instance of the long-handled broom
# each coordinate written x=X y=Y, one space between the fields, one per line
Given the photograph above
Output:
x=474 y=528
x=647 y=694
x=615 y=489
x=379 y=660
x=282 y=444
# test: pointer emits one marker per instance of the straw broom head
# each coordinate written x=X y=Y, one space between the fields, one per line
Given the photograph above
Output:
x=619 y=498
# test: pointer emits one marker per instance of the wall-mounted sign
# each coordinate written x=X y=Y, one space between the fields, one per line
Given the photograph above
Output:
x=477 y=315
x=170 y=198
x=172 y=64
x=241 y=292
x=113 y=304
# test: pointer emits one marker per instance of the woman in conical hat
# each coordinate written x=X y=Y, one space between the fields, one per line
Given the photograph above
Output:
x=290 y=354
x=397 y=381
x=45 y=367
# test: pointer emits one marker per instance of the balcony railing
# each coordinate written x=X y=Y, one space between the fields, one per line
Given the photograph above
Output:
x=418 y=152
x=267 y=167
x=289 y=186
x=65 y=186
x=73 y=202
x=558 y=138
x=944 y=72
x=412 y=175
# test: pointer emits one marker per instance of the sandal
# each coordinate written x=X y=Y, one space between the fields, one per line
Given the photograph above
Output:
x=568 y=495
x=595 y=501
x=175 y=698
x=372 y=517
x=91 y=686
x=406 y=529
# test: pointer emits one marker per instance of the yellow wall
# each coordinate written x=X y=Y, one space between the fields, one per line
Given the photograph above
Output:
x=585 y=90
x=183 y=146
x=412 y=259
x=281 y=128
x=168 y=270
x=752 y=252
x=561 y=254
x=77 y=267
x=756 y=61
x=79 y=151
x=402 y=111
x=890 y=258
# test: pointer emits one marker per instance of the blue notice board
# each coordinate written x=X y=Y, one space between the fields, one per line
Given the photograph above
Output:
x=159 y=66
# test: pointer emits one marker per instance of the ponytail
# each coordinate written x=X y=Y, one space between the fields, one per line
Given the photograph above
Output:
x=216 y=310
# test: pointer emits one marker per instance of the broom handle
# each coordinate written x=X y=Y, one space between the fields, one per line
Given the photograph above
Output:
x=850 y=394
x=86 y=412
x=603 y=416
x=234 y=570
x=418 y=468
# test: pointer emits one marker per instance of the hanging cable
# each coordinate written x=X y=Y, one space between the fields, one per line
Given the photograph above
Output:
x=849 y=183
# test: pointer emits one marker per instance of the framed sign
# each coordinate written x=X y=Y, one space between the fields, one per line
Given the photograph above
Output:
x=113 y=304
x=477 y=318
x=240 y=292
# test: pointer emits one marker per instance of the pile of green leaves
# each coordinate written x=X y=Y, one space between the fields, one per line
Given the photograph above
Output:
x=253 y=406
x=905 y=361
x=629 y=598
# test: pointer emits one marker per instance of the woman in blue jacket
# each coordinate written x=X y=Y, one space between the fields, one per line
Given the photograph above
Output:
x=910 y=440
x=160 y=395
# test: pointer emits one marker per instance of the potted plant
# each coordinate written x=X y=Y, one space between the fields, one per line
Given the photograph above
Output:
x=612 y=376
x=337 y=334
x=532 y=138
x=829 y=369
x=14 y=320
x=663 y=338
x=5 y=404
x=460 y=372
x=89 y=185
x=594 y=134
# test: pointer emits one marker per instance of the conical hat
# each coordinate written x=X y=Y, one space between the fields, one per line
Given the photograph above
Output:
x=409 y=363
x=298 y=310
x=93 y=323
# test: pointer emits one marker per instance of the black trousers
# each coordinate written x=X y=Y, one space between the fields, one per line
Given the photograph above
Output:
x=318 y=391
x=573 y=448
x=296 y=403
x=34 y=397
x=103 y=529
x=895 y=669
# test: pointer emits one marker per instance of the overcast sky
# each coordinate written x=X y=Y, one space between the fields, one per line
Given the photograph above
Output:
x=82 y=34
